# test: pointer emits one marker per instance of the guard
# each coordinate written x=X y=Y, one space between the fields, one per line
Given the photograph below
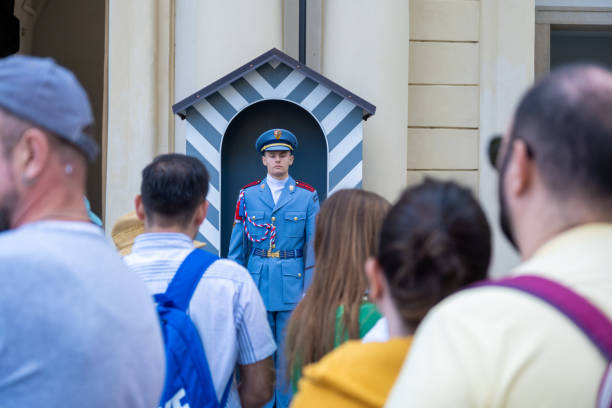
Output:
x=274 y=225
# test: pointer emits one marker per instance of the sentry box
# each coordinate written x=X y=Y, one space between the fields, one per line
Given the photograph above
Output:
x=271 y=91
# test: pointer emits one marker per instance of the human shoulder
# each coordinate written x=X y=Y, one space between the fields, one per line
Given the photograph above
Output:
x=478 y=319
x=305 y=186
x=251 y=184
x=479 y=305
x=45 y=240
x=228 y=269
x=250 y=190
x=307 y=191
x=356 y=350
x=364 y=372
x=10 y=241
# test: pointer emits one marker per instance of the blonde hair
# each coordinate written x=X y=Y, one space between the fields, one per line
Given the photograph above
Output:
x=347 y=233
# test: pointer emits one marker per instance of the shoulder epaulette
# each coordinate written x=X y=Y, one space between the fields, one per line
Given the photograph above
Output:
x=305 y=186
x=254 y=183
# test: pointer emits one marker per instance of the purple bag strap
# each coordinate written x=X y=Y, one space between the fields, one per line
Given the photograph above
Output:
x=583 y=313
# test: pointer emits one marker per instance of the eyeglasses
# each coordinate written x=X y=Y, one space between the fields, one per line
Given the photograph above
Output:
x=493 y=148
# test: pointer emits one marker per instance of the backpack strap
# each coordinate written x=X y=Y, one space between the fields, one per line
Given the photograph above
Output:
x=225 y=396
x=593 y=323
x=186 y=279
x=583 y=313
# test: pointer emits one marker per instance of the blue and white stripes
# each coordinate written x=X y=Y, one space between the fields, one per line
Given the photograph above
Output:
x=339 y=118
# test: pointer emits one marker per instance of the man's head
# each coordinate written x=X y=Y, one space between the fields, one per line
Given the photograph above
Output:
x=557 y=156
x=276 y=147
x=45 y=118
x=173 y=194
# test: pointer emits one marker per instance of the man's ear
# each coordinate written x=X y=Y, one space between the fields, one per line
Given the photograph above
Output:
x=140 y=211
x=263 y=159
x=200 y=214
x=375 y=276
x=31 y=154
x=291 y=158
x=520 y=169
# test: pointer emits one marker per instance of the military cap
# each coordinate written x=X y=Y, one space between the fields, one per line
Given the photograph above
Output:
x=276 y=140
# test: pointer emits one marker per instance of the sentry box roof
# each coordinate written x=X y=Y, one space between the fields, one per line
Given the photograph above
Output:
x=274 y=66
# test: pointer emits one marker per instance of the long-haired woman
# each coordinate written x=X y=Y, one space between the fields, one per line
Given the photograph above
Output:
x=335 y=307
x=434 y=241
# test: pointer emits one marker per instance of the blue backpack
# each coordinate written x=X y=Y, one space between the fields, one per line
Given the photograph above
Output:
x=188 y=380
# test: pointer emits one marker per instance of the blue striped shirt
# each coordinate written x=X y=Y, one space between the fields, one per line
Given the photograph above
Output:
x=226 y=307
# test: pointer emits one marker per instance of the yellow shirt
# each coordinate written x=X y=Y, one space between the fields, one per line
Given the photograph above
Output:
x=353 y=375
x=499 y=347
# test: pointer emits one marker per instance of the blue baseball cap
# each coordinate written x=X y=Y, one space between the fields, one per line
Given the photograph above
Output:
x=48 y=95
x=274 y=140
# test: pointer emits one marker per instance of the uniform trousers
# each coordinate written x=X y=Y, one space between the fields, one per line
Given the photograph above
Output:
x=282 y=392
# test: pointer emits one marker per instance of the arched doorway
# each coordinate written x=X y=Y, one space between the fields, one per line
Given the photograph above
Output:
x=241 y=164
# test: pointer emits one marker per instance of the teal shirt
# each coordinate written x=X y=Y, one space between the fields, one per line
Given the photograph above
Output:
x=368 y=316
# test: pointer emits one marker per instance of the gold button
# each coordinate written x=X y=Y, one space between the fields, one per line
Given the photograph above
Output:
x=273 y=219
x=299 y=275
x=253 y=217
x=273 y=246
x=294 y=218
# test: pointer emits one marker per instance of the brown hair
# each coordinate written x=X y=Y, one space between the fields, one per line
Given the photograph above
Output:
x=347 y=230
x=435 y=240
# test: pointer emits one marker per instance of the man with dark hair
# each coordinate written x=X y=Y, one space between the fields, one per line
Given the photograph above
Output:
x=173 y=186
x=76 y=328
x=542 y=337
x=226 y=307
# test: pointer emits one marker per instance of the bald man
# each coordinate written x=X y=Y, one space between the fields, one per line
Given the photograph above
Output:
x=512 y=346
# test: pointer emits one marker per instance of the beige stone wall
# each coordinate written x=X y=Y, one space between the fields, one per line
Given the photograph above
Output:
x=160 y=51
x=507 y=70
x=364 y=50
x=470 y=62
x=140 y=94
x=444 y=96
x=215 y=37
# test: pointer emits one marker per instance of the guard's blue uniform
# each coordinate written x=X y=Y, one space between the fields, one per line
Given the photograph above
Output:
x=280 y=281
x=279 y=271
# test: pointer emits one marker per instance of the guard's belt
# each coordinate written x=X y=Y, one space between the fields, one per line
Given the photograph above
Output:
x=295 y=253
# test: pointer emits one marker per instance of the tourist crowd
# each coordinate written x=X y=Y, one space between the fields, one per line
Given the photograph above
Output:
x=398 y=312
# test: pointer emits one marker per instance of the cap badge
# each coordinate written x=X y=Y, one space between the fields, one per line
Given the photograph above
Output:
x=278 y=134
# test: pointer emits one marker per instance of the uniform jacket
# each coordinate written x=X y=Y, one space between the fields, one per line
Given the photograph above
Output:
x=280 y=281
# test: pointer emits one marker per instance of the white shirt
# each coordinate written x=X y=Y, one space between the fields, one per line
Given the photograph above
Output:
x=226 y=307
x=500 y=347
x=276 y=186
x=379 y=333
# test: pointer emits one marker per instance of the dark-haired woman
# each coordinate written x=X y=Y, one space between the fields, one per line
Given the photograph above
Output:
x=434 y=241
x=335 y=308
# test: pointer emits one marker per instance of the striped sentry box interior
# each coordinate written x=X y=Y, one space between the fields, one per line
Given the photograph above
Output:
x=273 y=75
